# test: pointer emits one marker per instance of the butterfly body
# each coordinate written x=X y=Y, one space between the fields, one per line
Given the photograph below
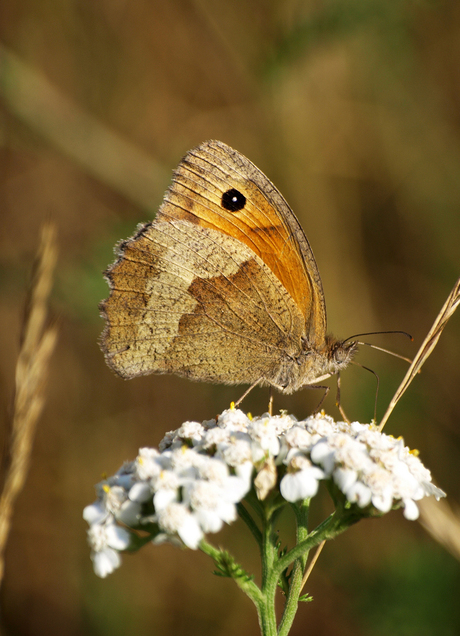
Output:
x=222 y=286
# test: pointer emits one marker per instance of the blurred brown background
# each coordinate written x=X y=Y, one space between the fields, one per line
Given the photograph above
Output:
x=353 y=110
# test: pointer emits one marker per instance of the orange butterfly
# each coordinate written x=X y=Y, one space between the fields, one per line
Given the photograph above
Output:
x=222 y=286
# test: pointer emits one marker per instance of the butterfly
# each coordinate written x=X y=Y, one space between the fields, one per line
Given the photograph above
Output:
x=222 y=286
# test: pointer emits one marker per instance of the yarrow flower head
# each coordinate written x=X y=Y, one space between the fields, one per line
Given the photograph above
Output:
x=191 y=486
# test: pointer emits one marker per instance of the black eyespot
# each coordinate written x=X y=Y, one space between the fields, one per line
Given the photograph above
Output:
x=233 y=200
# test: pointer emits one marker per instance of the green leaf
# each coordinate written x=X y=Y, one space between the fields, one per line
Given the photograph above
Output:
x=228 y=567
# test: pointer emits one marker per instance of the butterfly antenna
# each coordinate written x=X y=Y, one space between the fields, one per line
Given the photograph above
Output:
x=373 y=346
x=376 y=333
x=391 y=353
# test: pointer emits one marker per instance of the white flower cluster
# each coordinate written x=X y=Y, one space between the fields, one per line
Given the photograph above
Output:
x=192 y=484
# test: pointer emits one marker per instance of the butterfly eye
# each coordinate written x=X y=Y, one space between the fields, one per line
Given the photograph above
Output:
x=341 y=353
x=233 y=200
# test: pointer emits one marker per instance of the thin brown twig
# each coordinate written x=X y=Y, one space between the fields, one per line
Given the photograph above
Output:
x=442 y=522
x=427 y=347
x=37 y=344
x=312 y=563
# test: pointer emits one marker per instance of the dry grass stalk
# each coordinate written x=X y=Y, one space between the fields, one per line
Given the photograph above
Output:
x=312 y=564
x=37 y=344
x=125 y=167
x=443 y=523
x=431 y=340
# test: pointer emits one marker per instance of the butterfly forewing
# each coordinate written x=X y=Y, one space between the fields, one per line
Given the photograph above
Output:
x=266 y=224
x=221 y=286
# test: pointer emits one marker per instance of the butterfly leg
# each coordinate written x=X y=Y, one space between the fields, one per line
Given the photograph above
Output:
x=326 y=391
x=270 y=401
x=238 y=402
x=338 y=403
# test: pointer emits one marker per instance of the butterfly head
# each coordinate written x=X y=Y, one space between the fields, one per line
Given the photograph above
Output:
x=328 y=359
x=339 y=353
x=313 y=364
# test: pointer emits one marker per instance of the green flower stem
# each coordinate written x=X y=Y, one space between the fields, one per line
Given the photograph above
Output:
x=334 y=525
x=273 y=566
x=295 y=587
x=329 y=529
x=247 y=585
x=267 y=618
x=292 y=600
x=256 y=504
x=301 y=511
x=249 y=521
x=269 y=552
